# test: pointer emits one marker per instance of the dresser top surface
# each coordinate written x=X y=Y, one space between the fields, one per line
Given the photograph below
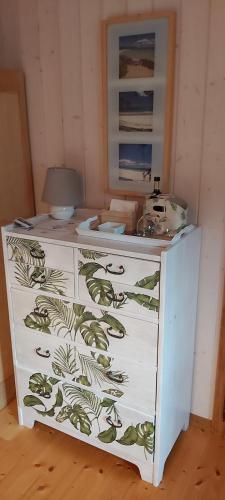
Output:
x=64 y=232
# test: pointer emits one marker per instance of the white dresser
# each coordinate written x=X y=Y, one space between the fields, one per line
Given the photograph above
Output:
x=103 y=337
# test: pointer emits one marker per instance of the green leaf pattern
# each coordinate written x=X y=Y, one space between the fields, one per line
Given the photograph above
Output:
x=84 y=410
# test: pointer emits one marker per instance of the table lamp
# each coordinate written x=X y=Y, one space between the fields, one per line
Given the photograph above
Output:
x=61 y=191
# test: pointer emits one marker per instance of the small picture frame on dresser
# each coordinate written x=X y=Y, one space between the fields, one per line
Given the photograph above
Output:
x=137 y=69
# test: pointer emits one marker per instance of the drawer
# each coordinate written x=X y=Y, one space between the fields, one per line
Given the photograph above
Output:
x=116 y=376
x=143 y=274
x=84 y=414
x=44 y=279
x=115 y=296
x=39 y=254
x=131 y=338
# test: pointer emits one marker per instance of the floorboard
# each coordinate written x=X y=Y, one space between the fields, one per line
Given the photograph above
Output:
x=44 y=464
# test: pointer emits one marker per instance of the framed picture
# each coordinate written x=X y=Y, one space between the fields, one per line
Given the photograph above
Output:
x=138 y=72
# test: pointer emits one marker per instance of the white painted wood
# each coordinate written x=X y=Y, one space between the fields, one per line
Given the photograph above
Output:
x=125 y=346
x=90 y=16
x=63 y=286
x=211 y=216
x=191 y=101
x=71 y=84
x=178 y=307
x=133 y=453
x=122 y=269
x=32 y=349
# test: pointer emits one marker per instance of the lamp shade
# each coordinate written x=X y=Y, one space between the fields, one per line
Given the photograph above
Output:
x=62 y=187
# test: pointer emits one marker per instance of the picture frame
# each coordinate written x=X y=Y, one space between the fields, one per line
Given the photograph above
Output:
x=138 y=55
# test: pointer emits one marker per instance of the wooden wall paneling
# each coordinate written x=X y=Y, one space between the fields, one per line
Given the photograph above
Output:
x=211 y=217
x=31 y=63
x=90 y=16
x=174 y=5
x=140 y=6
x=10 y=53
x=190 y=118
x=72 y=106
x=51 y=81
x=115 y=8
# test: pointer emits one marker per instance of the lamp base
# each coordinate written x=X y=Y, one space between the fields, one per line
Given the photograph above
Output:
x=61 y=213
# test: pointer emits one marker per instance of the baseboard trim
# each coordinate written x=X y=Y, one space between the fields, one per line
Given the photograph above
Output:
x=7 y=391
x=200 y=422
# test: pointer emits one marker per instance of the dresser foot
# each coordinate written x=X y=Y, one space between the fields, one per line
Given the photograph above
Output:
x=146 y=472
x=26 y=420
x=186 y=423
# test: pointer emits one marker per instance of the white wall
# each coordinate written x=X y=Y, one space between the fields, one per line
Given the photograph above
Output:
x=57 y=43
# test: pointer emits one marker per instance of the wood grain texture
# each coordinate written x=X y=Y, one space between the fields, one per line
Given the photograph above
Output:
x=44 y=463
x=219 y=400
x=16 y=189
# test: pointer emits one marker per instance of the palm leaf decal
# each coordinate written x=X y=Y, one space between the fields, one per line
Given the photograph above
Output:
x=34 y=321
x=94 y=335
x=89 y=269
x=144 y=300
x=22 y=275
x=149 y=282
x=54 y=281
x=62 y=317
x=64 y=360
x=95 y=371
x=91 y=254
x=89 y=401
x=21 y=251
x=101 y=291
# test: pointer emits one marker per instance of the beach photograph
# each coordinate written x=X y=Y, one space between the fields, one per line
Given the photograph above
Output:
x=135 y=162
x=136 y=55
x=136 y=111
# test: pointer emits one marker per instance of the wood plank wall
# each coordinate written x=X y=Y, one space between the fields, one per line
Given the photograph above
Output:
x=57 y=43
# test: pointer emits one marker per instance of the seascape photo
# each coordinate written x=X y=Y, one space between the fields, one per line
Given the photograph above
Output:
x=135 y=162
x=136 y=111
x=136 y=55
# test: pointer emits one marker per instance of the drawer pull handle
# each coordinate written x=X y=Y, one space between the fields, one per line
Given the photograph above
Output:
x=115 y=297
x=121 y=269
x=45 y=354
x=115 y=377
x=43 y=314
x=41 y=279
x=118 y=335
x=117 y=423
x=37 y=254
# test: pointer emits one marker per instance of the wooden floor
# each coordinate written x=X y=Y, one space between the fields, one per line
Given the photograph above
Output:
x=42 y=463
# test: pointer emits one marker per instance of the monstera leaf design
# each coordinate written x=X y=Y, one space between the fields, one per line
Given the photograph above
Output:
x=89 y=269
x=41 y=384
x=145 y=436
x=37 y=322
x=108 y=436
x=149 y=282
x=80 y=420
x=33 y=401
x=90 y=403
x=64 y=413
x=91 y=254
x=130 y=436
x=144 y=300
x=101 y=291
x=94 y=335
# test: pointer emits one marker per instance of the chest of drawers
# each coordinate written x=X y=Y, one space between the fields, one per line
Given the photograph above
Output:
x=103 y=338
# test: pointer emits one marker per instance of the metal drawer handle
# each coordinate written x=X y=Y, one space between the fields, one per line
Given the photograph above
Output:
x=41 y=279
x=43 y=314
x=121 y=269
x=37 y=254
x=115 y=377
x=45 y=354
x=113 y=296
x=118 y=335
x=117 y=424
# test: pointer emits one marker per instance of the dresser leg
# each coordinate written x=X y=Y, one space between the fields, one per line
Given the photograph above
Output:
x=146 y=472
x=25 y=419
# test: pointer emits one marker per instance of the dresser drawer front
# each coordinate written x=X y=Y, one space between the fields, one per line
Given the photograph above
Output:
x=143 y=274
x=115 y=376
x=131 y=338
x=115 y=296
x=23 y=275
x=39 y=254
x=103 y=421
